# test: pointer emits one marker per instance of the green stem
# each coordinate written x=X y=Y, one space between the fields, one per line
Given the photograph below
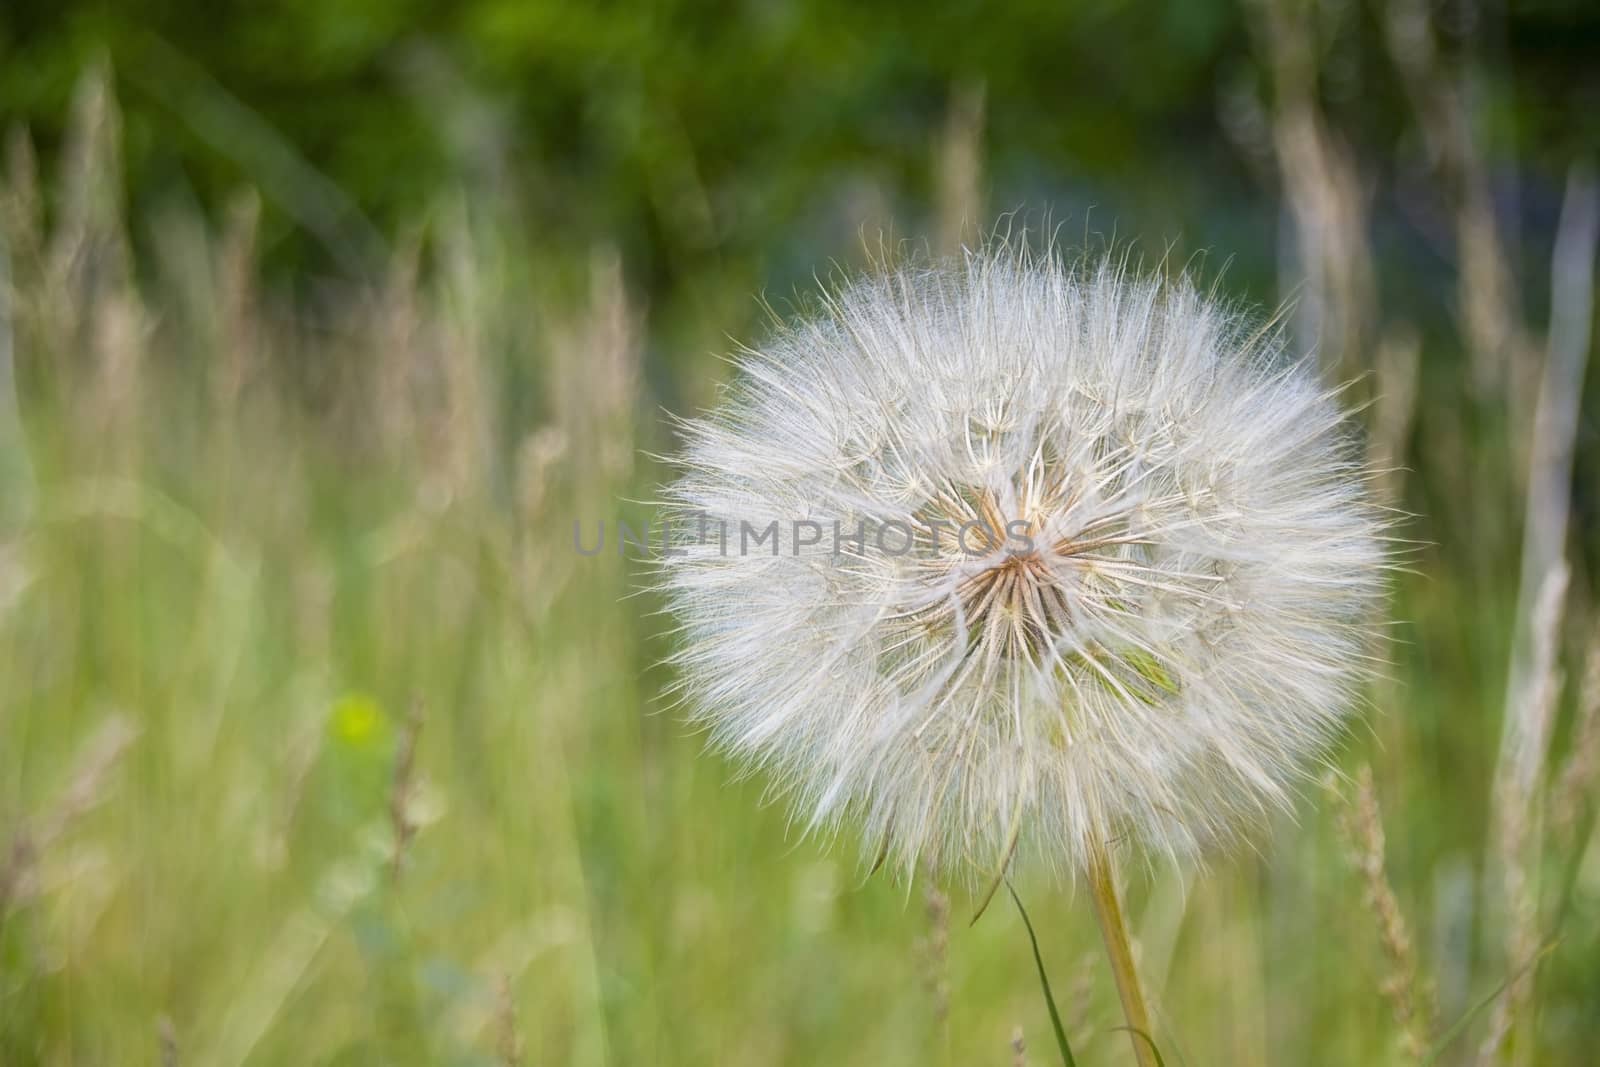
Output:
x=1108 y=913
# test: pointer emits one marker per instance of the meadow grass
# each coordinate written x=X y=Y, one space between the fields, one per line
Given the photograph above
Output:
x=318 y=743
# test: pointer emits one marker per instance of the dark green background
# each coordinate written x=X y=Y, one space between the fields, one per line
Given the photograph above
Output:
x=722 y=137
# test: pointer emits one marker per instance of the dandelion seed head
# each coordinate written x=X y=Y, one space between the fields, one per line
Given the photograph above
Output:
x=1117 y=579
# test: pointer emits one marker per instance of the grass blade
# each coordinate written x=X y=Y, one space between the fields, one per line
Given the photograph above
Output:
x=1044 y=984
x=1460 y=1024
x=1012 y=836
x=1154 y=1049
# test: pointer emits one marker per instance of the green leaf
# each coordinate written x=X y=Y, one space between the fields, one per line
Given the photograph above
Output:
x=1044 y=983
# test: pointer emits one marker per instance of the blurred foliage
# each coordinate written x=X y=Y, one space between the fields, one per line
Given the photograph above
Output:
x=702 y=135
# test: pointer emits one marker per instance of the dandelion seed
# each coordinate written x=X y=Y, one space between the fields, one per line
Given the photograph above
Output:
x=1142 y=588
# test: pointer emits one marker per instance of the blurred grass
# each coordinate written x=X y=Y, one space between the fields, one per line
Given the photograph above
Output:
x=257 y=545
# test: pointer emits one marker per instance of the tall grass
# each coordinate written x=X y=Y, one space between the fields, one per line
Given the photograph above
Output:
x=319 y=743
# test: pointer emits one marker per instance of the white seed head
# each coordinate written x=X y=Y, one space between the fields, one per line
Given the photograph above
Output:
x=1118 y=576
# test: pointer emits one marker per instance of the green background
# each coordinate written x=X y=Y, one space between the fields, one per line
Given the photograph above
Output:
x=328 y=320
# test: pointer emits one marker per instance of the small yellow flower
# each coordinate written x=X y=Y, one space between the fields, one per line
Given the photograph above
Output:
x=358 y=720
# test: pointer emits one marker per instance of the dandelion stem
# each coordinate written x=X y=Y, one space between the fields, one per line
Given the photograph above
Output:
x=1108 y=913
